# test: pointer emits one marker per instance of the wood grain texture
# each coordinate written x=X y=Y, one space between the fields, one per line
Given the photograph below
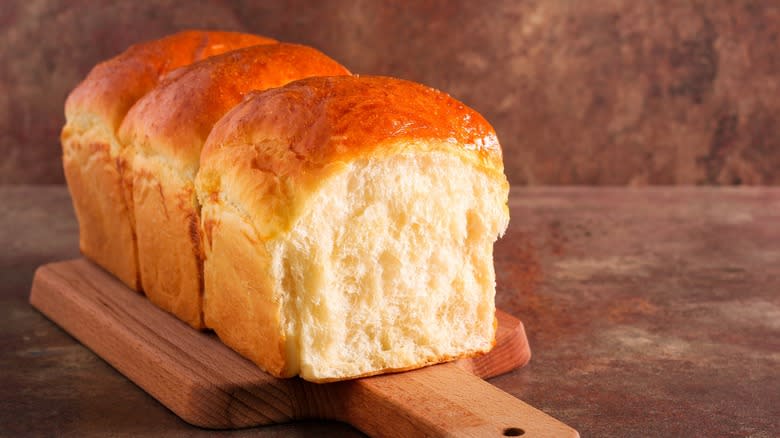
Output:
x=442 y=400
x=209 y=385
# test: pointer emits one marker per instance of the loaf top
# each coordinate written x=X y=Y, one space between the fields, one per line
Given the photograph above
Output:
x=271 y=152
x=314 y=122
x=174 y=119
x=113 y=86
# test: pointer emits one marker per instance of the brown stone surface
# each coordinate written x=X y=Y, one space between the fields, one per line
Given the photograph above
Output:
x=580 y=92
x=651 y=312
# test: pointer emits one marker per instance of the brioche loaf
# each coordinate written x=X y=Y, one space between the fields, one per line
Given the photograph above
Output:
x=348 y=227
x=92 y=155
x=165 y=131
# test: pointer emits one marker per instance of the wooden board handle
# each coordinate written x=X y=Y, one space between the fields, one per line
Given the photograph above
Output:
x=443 y=400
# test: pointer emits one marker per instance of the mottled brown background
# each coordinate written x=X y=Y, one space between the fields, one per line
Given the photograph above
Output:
x=580 y=92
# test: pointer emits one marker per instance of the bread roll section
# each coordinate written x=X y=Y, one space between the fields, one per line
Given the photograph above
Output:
x=92 y=154
x=348 y=227
x=165 y=132
x=323 y=224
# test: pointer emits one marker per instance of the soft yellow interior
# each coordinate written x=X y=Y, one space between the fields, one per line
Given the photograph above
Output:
x=390 y=266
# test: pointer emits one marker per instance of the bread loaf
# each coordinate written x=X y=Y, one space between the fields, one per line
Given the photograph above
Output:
x=165 y=131
x=92 y=155
x=348 y=227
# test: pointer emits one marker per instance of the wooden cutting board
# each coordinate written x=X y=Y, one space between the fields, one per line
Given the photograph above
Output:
x=208 y=385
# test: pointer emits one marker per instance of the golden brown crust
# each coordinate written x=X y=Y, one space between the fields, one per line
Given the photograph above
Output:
x=91 y=153
x=106 y=235
x=328 y=119
x=113 y=86
x=174 y=119
x=169 y=256
x=163 y=134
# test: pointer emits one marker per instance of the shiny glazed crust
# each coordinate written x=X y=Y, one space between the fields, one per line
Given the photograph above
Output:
x=270 y=154
x=92 y=154
x=164 y=133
